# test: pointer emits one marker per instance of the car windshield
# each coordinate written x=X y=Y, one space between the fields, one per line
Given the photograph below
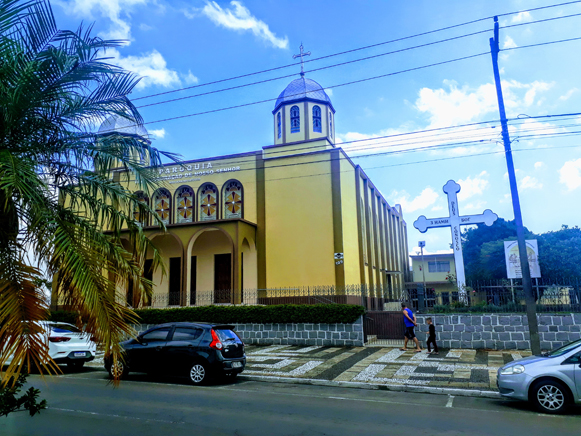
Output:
x=227 y=335
x=565 y=349
x=64 y=328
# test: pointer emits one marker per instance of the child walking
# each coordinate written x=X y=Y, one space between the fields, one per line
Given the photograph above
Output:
x=431 y=336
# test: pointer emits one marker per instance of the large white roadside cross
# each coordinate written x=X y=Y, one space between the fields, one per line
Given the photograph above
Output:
x=455 y=221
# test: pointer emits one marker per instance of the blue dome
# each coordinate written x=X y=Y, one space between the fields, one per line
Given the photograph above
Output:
x=303 y=89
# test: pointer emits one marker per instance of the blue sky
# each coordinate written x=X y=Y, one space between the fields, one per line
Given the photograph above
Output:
x=176 y=44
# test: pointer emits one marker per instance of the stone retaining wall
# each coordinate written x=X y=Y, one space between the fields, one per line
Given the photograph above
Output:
x=499 y=331
x=340 y=335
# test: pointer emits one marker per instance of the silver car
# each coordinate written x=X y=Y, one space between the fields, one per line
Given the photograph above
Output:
x=552 y=381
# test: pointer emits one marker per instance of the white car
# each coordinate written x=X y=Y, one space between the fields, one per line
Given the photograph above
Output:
x=67 y=344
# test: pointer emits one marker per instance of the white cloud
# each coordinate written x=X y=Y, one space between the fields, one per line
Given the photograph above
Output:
x=151 y=66
x=115 y=10
x=453 y=106
x=471 y=186
x=568 y=94
x=508 y=43
x=474 y=207
x=190 y=79
x=570 y=174
x=157 y=133
x=238 y=18
x=521 y=16
x=426 y=198
x=538 y=165
x=528 y=182
x=145 y=27
x=329 y=92
x=437 y=208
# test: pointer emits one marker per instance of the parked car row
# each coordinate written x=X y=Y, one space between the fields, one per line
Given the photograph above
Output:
x=201 y=351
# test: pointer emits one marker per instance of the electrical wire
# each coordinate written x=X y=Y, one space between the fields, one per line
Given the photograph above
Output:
x=350 y=62
x=361 y=48
x=347 y=83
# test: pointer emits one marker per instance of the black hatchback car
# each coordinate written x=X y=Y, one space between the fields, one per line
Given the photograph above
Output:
x=198 y=351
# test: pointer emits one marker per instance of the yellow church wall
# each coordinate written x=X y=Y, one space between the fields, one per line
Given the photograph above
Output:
x=299 y=222
x=294 y=149
x=349 y=223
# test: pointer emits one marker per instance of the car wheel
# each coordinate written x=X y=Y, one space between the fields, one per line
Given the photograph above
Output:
x=198 y=373
x=118 y=369
x=75 y=365
x=550 y=396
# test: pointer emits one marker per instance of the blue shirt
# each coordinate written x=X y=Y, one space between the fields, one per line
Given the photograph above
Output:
x=407 y=322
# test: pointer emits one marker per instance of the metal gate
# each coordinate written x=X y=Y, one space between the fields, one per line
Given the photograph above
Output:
x=383 y=328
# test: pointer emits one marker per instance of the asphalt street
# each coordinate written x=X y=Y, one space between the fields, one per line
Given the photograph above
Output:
x=85 y=403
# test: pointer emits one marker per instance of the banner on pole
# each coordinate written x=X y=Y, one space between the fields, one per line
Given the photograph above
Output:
x=511 y=254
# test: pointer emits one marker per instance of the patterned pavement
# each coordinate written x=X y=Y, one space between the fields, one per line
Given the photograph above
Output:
x=468 y=369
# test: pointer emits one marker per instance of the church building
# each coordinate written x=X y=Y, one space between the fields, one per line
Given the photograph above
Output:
x=297 y=213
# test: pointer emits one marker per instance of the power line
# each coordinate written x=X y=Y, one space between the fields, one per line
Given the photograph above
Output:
x=348 y=83
x=414 y=163
x=330 y=159
x=350 y=62
x=361 y=48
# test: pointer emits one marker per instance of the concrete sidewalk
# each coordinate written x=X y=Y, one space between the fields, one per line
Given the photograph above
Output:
x=472 y=371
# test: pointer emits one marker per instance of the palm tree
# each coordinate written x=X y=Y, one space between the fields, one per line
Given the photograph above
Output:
x=58 y=199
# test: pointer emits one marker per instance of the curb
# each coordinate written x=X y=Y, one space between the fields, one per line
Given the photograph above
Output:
x=475 y=393
x=386 y=387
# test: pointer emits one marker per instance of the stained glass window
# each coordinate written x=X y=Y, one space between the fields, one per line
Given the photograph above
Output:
x=208 y=202
x=295 y=114
x=279 y=124
x=162 y=205
x=232 y=200
x=317 y=125
x=185 y=205
x=137 y=216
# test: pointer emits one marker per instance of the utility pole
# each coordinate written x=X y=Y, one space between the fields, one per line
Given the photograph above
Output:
x=520 y=233
x=422 y=289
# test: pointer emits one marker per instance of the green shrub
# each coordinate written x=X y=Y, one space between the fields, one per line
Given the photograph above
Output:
x=283 y=313
x=63 y=316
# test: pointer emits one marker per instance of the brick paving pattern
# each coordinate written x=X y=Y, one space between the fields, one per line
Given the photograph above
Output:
x=455 y=368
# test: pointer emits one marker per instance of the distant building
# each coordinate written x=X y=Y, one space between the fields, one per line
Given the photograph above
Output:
x=440 y=272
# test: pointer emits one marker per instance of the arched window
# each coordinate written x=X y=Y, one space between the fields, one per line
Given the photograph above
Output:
x=295 y=114
x=279 y=125
x=185 y=205
x=330 y=124
x=137 y=215
x=317 y=125
x=232 y=194
x=162 y=205
x=208 y=201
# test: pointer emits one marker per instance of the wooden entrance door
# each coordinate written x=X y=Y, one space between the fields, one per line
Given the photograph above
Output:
x=222 y=278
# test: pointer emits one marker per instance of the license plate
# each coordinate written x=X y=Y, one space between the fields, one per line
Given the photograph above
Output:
x=80 y=354
x=236 y=364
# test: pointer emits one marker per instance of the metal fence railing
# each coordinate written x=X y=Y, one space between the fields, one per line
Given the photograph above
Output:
x=505 y=296
x=371 y=297
x=551 y=295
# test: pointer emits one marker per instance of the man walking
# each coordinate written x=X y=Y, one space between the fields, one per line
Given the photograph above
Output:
x=409 y=320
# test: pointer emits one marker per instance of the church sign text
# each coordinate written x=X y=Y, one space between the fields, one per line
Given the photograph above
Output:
x=178 y=173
